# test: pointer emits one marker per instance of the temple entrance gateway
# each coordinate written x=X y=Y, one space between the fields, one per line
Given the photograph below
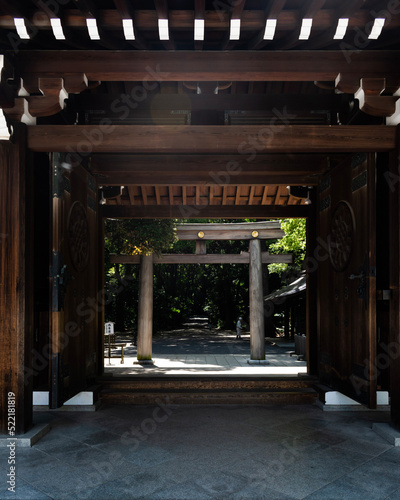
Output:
x=253 y=232
x=217 y=127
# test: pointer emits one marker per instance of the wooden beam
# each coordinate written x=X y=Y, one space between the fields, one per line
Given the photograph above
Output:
x=100 y=65
x=238 y=231
x=205 y=211
x=264 y=196
x=115 y=108
x=309 y=11
x=199 y=13
x=158 y=198
x=213 y=167
x=288 y=19
x=250 y=140
x=242 y=258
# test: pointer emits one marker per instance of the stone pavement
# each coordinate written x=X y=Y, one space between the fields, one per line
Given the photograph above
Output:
x=192 y=452
x=206 y=353
x=207 y=452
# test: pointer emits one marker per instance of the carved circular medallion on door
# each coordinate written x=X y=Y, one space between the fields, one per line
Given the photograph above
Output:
x=78 y=236
x=341 y=235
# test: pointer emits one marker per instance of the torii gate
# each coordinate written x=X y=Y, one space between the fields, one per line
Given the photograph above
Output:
x=254 y=232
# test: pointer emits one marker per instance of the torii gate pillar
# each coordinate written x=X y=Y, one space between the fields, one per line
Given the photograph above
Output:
x=257 y=334
x=145 y=316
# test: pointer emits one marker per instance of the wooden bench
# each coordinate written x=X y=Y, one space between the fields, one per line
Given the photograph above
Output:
x=111 y=343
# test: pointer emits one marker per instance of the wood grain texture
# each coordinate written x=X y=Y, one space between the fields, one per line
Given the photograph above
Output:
x=16 y=307
x=394 y=311
x=82 y=140
x=242 y=258
x=145 y=316
x=256 y=302
x=205 y=211
x=182 y=65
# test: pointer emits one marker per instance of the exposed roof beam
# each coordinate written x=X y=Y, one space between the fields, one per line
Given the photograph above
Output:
x=206 y=211
x=271 y=12
x=212 y=164
x=233 y=139
x=110 y=65
x=126 y=11
x=163 y=14
x=199 y=13
x=345 y=10
x=236 y=15
x=309 y=11
x=288 y=20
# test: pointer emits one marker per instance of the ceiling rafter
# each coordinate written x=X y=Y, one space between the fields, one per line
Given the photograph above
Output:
x=345 y=10
x=144 y=194
x=157 y=193
x=126 y=11
x=271 y=12
x=90 y=10
x=236 y=13
x=199 y=13
x=309 y=11
x=163 y=13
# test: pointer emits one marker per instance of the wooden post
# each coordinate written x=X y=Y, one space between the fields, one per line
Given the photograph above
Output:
x=145 y=320
x=311 y=291
x=16 y=307
x=257 y=334
x=101 y=285
x=393 y=349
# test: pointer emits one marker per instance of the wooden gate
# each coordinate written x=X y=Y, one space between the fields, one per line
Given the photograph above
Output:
x=347 y=278
x=74 y=290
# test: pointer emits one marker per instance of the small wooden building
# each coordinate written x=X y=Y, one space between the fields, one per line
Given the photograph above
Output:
x=105 y=114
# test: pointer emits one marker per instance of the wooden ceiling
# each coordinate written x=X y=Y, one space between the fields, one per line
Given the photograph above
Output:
x=217 y=15
x=187 y=115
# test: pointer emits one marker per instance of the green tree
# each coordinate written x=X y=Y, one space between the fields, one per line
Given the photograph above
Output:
x=293 y=242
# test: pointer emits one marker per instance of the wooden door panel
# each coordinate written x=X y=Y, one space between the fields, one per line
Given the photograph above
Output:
x=74 y=293
x=346 y=280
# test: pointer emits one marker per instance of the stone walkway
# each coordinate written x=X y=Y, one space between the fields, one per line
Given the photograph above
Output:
x=199 y=351
x=207 y=452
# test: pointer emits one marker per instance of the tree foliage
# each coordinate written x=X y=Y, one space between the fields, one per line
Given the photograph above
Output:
x=140 y=236
x=293 y=242
x=219 y=291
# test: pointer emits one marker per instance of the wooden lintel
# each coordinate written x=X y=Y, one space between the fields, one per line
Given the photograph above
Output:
x=82 y=140
x=243 y=258
x=278 y=105
x=206 y=211
x=212 y=169
x=209 y=66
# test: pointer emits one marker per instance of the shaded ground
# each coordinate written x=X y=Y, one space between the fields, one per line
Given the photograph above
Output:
x=197 y=340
